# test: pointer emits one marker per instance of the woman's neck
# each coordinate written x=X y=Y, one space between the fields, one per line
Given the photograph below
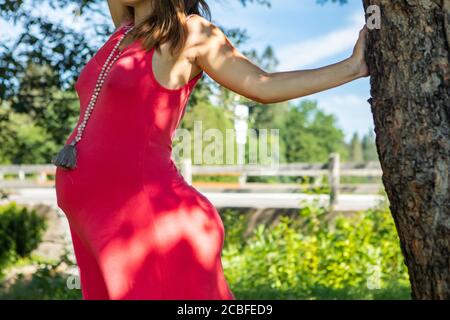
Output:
x=142 y=11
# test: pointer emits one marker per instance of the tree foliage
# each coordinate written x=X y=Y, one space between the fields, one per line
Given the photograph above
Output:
x=39 y=67
x=310 y=135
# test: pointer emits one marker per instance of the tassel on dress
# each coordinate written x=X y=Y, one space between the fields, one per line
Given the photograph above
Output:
x=66 y=157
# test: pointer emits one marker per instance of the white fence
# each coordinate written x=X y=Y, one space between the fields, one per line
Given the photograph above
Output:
x=17 y=176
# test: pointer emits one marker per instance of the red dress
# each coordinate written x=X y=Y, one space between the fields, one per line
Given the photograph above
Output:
x=139 y=230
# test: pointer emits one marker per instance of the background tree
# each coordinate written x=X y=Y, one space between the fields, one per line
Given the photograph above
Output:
x=310 y=135
x=39 y=67
x=410 y=74
x=356 y=149
x=369 y=147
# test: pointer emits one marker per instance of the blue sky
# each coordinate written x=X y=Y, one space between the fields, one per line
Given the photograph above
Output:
x=304 y=35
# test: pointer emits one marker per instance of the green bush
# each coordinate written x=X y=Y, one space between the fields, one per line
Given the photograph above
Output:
x=21 y=232
x=315 y=256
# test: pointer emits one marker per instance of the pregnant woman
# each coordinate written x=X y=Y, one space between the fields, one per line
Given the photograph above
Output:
x=139 y=230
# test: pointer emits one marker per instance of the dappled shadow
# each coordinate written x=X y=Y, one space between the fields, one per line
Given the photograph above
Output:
x=139 y=230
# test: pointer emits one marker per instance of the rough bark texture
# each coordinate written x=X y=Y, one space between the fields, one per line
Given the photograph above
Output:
x=410 y=100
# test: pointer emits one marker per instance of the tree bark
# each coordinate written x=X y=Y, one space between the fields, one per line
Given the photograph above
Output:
x=410 y=100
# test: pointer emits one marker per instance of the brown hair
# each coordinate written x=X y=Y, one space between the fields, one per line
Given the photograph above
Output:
x=166 y=23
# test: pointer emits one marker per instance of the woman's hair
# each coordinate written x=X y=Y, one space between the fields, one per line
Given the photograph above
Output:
x=167 y=23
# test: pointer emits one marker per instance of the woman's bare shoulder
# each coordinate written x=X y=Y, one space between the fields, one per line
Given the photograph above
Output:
x=198 y=29
x=195 y=33
x=195 y=21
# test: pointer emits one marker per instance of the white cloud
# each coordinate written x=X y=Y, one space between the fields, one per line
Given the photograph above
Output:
x=305 y=53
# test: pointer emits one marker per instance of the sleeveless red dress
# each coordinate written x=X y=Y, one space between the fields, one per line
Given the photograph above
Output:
x=139 y=230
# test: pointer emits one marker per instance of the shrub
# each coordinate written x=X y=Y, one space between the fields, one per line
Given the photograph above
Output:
x=21 y=232
x=315 y=256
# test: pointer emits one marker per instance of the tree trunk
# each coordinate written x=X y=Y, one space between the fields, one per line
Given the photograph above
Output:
x=408 y=59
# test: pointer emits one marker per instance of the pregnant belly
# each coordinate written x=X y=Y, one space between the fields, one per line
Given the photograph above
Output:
x=100 y=180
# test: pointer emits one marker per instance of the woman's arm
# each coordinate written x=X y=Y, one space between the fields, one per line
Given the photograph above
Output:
x=226 y=65
x=117 y=11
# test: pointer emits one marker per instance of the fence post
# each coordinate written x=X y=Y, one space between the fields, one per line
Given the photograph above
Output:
x=42 y=177
x=333 y=179
x=242 y=179
x=186 y=170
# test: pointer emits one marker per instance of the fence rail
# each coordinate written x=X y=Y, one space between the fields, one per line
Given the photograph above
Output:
x=41 y=174
x=333 y=170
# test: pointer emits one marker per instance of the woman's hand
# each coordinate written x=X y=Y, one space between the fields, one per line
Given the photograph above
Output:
x=358 y=58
